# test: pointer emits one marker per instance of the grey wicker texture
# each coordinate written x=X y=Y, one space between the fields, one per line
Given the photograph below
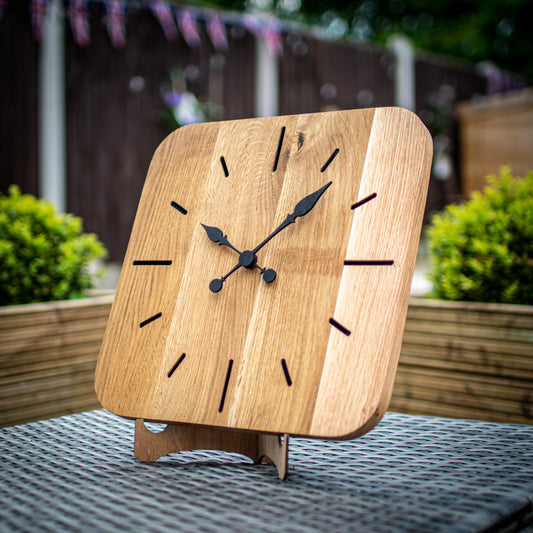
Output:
x=411 y=473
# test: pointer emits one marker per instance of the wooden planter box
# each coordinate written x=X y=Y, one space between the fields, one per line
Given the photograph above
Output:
x=467 y=360
x=463 y=360
x=48 y=354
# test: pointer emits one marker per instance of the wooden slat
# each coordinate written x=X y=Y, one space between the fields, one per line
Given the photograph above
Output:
x=466 y=343
x=44 y=331
x=485 y=332
x=419 y=312
x=483 y=362
x=48 y=353
x=63 y=392
x=46 y=343
x=473 y=368
x=59 y=377
x=26 y=361
x=41 y=411
x=472 y=401
x=422 y=407
x=15 y=316
x=51 y=365
x=480 y=386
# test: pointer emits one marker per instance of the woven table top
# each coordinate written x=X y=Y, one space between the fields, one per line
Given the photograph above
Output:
x=411 y=473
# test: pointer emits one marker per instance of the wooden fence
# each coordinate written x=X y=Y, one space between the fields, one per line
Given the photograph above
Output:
x=114 y=103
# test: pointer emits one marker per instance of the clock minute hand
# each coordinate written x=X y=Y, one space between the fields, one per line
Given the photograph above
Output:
x=301 y=209
x=217 y=235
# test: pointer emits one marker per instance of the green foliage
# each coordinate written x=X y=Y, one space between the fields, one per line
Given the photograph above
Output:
x=44 y=255
x=475 y=30
x=482 y=250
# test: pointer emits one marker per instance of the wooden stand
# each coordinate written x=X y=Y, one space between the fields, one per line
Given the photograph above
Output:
x=150 y=446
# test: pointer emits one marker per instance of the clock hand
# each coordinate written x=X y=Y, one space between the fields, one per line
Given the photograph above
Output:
x=217 y=235
x=248 y=259
x=301 y=209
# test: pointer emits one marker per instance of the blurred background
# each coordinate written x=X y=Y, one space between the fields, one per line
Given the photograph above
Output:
x=89 y=88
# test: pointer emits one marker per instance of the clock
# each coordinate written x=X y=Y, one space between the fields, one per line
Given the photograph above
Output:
x=266 y=281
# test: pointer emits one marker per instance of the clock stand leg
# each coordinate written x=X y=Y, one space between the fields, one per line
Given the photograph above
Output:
x=150 y=446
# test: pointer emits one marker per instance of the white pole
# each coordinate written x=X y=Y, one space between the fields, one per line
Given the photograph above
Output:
x=52 y=140
x=404 y=81
x=266 y=90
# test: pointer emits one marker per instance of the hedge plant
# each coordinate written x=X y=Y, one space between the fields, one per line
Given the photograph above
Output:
x=482 y=250
x=44 y=255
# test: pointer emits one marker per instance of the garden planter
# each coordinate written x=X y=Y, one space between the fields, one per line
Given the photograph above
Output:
x=467 y=360
x=48 y=354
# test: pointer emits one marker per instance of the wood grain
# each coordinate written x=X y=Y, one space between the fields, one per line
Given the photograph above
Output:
x=150 y=446
x=470 y=360
x=48 y=355
x=338 y=383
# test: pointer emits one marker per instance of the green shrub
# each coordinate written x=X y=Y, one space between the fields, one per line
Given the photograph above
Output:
x=482 y=250
x=43 y=254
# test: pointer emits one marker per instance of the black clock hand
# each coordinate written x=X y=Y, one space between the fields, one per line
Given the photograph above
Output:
x=247 y=259
x=301 y=209
x=217 y=235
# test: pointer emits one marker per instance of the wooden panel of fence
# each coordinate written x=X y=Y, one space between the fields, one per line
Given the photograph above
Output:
x=495 y=131
x=48 y=354
x=467 y=360
x=320 y=75
x=439 y=85
x=18 y=99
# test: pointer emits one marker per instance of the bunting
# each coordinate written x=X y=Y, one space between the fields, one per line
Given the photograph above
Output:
x=38 y=9
x=273 y=38
x=217 y=33
x=163 y=13
x=116 y=22
x=174 y=20
x=78 y=15
x=2 y=5
x=189 y=27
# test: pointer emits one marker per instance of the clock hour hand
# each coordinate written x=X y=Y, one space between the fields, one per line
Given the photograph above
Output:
x=217 y=235
x=301 y=209
x=247 y=259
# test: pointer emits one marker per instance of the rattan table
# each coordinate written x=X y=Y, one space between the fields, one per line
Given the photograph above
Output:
x=411 y=473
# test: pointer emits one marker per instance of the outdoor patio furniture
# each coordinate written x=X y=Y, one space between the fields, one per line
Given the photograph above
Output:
x=411 y=473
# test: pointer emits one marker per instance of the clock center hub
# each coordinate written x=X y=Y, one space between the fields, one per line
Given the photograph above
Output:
x=247 y=259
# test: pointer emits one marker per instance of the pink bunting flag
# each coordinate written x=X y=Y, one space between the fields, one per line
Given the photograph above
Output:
x=79 y=21
x=273 y=38
x=116 y=22
x=163 y=13
x=189 y=27
x=38 y=10
x=217 y=33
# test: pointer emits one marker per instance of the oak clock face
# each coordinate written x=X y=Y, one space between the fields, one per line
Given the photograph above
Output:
x=267 y=276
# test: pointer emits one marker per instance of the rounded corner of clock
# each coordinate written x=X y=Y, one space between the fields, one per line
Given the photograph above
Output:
x=345 y=430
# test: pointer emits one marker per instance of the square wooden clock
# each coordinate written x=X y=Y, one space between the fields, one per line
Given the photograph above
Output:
x=267 y=277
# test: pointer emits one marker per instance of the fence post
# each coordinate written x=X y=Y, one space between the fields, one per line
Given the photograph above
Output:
x=52 y=140
x=404 y=73
x=266 y=81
